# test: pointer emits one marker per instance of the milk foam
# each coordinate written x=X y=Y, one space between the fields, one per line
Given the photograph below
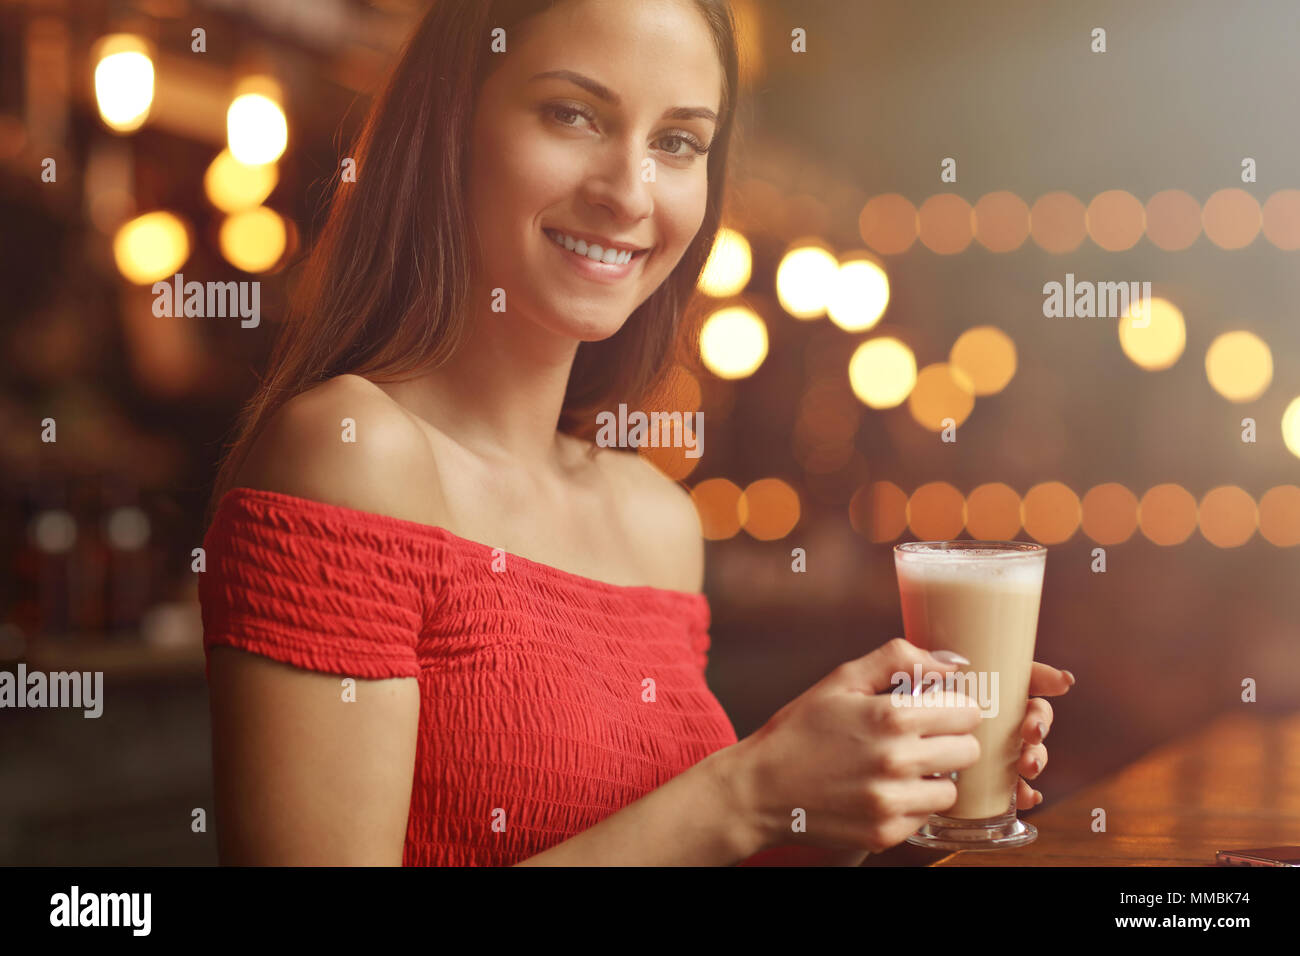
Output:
x=983 y=565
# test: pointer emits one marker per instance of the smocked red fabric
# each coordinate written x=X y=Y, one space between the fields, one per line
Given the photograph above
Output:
x=533 y=708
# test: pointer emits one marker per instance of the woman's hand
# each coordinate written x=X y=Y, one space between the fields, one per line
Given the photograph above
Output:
x=849 y=762
x=1048 y=682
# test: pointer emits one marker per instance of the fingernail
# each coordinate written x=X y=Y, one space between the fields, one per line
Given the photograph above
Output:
x=1070 y=676
x=1042 y=731
x=948 y=657
x=1033 y=765
x=1039 y=795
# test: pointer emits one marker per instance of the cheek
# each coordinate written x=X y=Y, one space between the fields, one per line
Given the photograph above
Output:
x=682 y=206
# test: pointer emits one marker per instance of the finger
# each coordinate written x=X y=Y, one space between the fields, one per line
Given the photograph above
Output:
x=919 y=797
x=1038 y=721
x=1047 y=681
x=1026 y=796
x=942 y=754
x=884 y=668
x=930 y=713
x=1033 y=761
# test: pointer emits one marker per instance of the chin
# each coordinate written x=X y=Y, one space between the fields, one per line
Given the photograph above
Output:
x=585 y=329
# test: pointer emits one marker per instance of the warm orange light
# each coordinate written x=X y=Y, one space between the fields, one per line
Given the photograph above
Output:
x=1110 y=513
x=1231 y=218
x=771 y=508
x=718 y=502
x=1227 y=516
x=1281 y=216
x=1167 y=514
x=942 y=391
x=1173 y=219
x=993 y=512
x=1001 y=221
x=988 y=357
x=1050 y=512
x=936 y=512
x=1057 y=222
x=888 y=224
x=1116 y=220
x=878 y=511
x=946 y=223
x=1279 y=516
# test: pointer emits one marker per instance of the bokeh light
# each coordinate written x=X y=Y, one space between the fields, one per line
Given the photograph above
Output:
x=1231 y=218
x=987 y=356
x=1050 y=512
x=859 y=295
x=1239 y=366
x=1110 y=513
x=946 y=223
x=679 y=392
x=729 y=265
x=941 y=392
x=804 y=280
x=1291 y=427
x=233 y=186
x=888 y=224
x=1167 y=514
x=1116 y=220
x=1057 y=222
x=878 y=511
x=1153 y=336
x=124 y=82
x=151 y=247
x=1173 y=219
x=993 y=512
x=1279 y=516
x=1227 y=516
x=1281 y=219
x=1001 y=221
x=771 y=509
x=882 y=372
x=253 y=240
x=257 y=131
x=936 y=512
x=733 y=342
x=718 y=502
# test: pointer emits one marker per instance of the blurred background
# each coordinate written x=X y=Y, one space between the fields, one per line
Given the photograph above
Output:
x=905 y=187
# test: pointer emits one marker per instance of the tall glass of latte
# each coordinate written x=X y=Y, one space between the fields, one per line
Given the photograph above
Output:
x=979 y=599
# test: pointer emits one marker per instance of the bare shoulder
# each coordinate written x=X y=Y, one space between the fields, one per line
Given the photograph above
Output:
x=346 y=442
x=663 y=512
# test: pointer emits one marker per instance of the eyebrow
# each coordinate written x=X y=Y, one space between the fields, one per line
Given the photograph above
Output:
x=603 y=92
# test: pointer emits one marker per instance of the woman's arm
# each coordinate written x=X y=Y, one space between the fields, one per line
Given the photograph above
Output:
x=304 y=777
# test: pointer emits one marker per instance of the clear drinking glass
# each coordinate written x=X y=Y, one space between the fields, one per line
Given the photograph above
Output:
x=979 y=599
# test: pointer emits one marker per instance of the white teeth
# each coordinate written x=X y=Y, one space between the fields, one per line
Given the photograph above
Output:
x=592 y=251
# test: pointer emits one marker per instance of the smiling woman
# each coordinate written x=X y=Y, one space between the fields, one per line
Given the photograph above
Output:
x=419 y=569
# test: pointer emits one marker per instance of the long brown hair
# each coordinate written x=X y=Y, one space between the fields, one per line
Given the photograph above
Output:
x=384 y=293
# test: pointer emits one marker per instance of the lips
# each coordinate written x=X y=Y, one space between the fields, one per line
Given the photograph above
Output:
x=593 y=269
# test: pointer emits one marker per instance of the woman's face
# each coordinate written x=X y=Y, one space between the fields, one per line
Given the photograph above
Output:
x=552 y=155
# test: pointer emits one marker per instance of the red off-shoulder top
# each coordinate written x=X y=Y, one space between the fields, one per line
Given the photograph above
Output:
x=533 y=681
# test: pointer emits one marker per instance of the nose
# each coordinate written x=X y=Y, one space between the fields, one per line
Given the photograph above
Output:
x=616 y=181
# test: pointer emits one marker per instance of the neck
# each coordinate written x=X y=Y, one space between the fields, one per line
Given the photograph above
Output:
x=501 y=393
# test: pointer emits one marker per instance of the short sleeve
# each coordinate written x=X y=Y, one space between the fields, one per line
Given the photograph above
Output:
x=315 y=586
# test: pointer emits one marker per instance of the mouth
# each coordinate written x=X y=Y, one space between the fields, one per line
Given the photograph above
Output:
x=612 y=263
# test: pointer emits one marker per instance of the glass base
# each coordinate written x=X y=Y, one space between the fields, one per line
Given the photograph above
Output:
x=998 y=833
